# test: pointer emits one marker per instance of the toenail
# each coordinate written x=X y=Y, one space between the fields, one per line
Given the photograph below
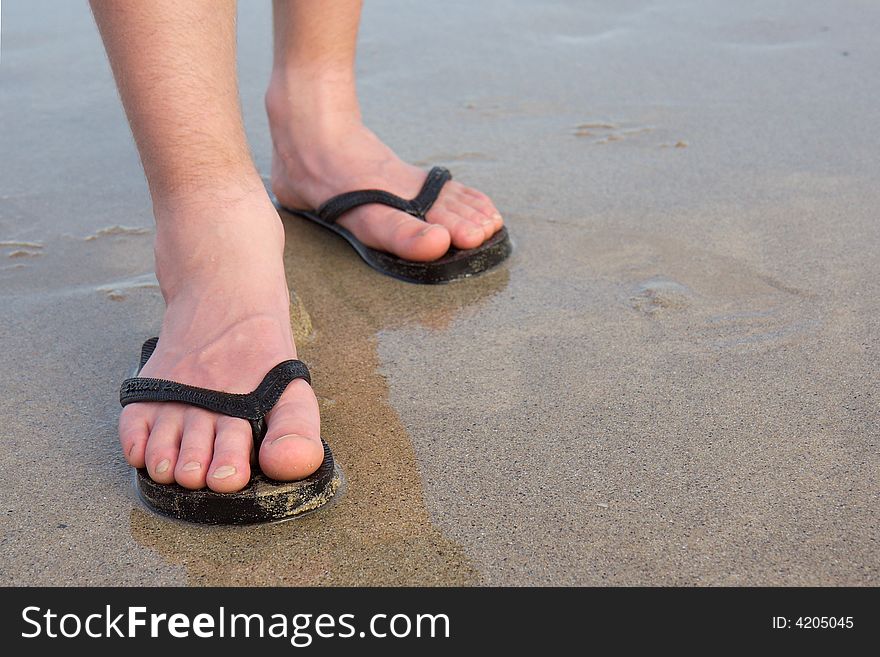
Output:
x=224 y=471
x=426 y=230
x=192 y=465
x=163 y=466
x=284 y=437
x=496 y=217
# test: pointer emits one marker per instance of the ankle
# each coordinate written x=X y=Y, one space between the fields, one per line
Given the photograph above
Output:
x=311 y=107
x=203 y=190
x=209 y=241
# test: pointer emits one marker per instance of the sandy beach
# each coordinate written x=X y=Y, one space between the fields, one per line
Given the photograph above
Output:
x=672 y=381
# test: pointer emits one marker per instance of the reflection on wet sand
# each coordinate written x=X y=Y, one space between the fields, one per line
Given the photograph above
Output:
x=378 y=530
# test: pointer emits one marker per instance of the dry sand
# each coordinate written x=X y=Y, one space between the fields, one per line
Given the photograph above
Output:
x=672 y=381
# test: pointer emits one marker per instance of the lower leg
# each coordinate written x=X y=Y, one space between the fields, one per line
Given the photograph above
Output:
x=321 y=147
x=219 y=246
x=313 y=64
x=174 y=65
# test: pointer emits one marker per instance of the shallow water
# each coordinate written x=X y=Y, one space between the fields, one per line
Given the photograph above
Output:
x=672 y=381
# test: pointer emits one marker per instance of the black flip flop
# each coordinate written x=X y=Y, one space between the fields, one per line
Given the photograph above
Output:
x=263 y=499
x=454 y=265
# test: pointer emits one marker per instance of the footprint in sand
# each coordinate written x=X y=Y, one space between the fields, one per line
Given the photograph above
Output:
x=111 y=231
x=119 y=290
x=19 y=250
x=658 y=293
x=716 y=300
x=606 y=133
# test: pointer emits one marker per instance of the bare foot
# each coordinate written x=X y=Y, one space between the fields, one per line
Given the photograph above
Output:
x=318 y=154
x=219 y=263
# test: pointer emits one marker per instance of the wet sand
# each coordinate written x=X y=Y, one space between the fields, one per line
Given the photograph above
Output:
x=672 y=381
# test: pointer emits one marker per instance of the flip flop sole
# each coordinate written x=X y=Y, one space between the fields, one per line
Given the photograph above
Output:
x=455 y=265
x=262 y=500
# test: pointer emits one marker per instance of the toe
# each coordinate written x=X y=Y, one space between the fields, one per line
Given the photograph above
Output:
x=230 y=467
x=196 y=449
x=163 y=444
x=292 y=448
x=479 y=201
x=412 y=239
x=468 y=212
x=397 y=232
x=466 y=234
x=134 y=430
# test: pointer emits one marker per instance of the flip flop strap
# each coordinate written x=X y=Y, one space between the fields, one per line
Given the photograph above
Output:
x=418 y=207
x=252 y=406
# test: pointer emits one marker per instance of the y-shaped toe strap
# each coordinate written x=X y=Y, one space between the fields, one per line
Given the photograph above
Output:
x=251 y=406
x=418 y=207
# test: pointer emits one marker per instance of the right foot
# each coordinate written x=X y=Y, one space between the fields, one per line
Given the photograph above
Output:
x=227 y=323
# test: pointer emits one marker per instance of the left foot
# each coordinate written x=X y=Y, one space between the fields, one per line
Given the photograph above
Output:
x=318 y=154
